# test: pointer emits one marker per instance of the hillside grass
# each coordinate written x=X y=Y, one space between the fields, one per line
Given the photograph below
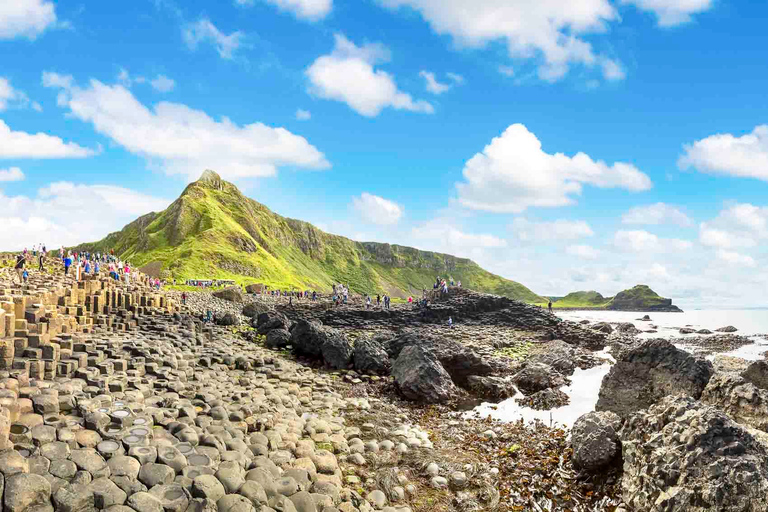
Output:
x=214 y=232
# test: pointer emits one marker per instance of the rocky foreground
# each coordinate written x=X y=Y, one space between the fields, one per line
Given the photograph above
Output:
x=120 y=398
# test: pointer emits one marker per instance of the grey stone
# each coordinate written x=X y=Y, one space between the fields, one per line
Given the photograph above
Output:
x=152 y=474
x=106 y=493
x=25 y=492
x=207 y=487
x=595 y=440
x=145 y=502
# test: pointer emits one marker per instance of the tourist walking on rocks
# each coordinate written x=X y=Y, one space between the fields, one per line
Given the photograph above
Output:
x=378 y=300
x=67 y=262
x=25 y=275
x=368 y=302
x=450 y=322
x=41 y=260
x=550 y=305
x=20 y=261
x=184 y=298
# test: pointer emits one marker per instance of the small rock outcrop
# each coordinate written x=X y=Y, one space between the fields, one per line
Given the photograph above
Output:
x=370 y=357
x=739 y=399
x=232 y=294
x=683 y=456
x=603 y=327
x=757 y=374
x=537 y=377
x=421 y=377
x=595 y=440
x=227 y=319
x=490 y=387
x=254 y=309
x=727 y=328
x=269 y=320
x=649 y=372
x=314 y=340
x=278 y=338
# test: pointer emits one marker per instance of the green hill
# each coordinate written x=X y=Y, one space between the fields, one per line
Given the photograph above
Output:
x=213 y=231
x=638 y=298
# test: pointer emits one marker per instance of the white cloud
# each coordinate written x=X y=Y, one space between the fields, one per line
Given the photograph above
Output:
x=644 y=242
x=11 y=97
x=739 y=225
x=25 y=18
x=655 y=214
x=713 y=237
x=37 y=107
x=445 y=237
x=735 y=258
x=672 y=12
x=68 y=214
x=432 y=84
x=507 y=71
x=11 y=174
x=37 y=146
x=561 y=229
x=377 y=210
x=513 y=173
x=303 y=115
x=744 y=157
x=586 y=252
x=658 y=271
x=348 y=75
x=162 y=83
x=312 y=10
x=458 y=79
x=182 y=140
x=203 y=31
x=549 y=32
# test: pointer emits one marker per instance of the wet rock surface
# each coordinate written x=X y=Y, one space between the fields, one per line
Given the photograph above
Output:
x=680 y=455
x=648 y=372
x=595 y=440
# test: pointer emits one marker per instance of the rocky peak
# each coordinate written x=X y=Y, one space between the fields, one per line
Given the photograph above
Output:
x=210 y=179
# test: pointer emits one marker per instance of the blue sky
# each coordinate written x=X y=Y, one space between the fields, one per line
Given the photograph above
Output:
x=567 y=145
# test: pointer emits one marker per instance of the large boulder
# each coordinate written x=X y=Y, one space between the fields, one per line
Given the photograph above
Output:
x=684 y=456
x=278 y=338
x=227 y=319
x=535 y=377
x=254 y=309
x=649 y=372
x=421 y=377
x=595 y=440
x=232 y=294
x=269 y=320
x=311 y=339
x=579 y=335
x=757 y=374
x=490 y=387
x=603 y=327
x=727 y=328
x=459 y=361
x=738 y=398
x=370 y=357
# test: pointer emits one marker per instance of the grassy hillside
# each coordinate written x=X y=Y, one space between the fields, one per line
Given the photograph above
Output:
x=213 y=231
x=638 y=298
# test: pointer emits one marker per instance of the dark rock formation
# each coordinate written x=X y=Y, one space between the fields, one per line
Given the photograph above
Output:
x=227 y=319
x=757 y=374
x=739 y=399
x=254 y=309
x=728 y=328
x=537 y=377
x=490 y=387
x=595 y=440
x=370 y=357
x=421 y=377
x=683 y=456
x=544 y=400
x=278 y=338
x=232 y=294
x=604 y=327
x=565 y=358
x=316 y=341
x=649 y=372
x=269 y=320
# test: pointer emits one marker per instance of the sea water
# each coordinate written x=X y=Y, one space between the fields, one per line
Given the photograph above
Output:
x=585 y=384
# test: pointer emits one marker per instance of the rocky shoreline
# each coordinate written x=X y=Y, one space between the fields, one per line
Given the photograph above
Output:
x=121 y=398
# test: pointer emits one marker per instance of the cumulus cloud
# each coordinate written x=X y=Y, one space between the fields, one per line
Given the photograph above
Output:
x=644 y=242
x=740 y=225
x=744 y=157
x=11 y=174
x=432 y=84
x=303 y=115
x=37 y=146
x=64 y=213
x=181 y=140
x=513 y=173
x=377 y=210
x=561 y=229
x=586 y=252
x=311 y=10
x=734 y=258
x=442 y=235
x=203 y=31
x=549 y=32
x=672 y=12
x=25 y=18
x=348 y=75
x=162 y=83
x=655 y=214
x=10 y=97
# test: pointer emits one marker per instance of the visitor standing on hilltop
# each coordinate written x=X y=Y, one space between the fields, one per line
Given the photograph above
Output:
x=20 y=261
